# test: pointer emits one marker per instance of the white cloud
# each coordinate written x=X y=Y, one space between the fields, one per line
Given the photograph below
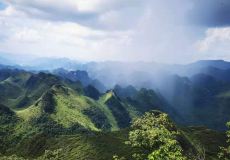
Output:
x=69 y=10
x=53 y=38
x=215 y=44
x=57 y=5
x=128 y=30
x=11 y=11
x=216 y=39
x=24 y=32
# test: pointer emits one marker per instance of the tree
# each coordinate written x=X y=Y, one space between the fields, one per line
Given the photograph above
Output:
x=224 y=153
x=154 y=137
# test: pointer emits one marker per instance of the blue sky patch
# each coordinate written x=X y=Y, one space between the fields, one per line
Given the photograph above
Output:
x=2 y=6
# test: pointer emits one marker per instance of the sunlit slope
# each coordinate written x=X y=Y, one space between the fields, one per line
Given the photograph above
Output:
x=103 y=145
x=40 y=95
x=21 y=89
x=68 y=108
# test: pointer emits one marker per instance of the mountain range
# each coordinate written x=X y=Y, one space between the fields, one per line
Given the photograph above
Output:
x=189 y=92
x=98 y=101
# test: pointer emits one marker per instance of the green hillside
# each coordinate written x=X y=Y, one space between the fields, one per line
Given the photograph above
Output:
x=205 y=139
x=66 y=107
x=42 y=114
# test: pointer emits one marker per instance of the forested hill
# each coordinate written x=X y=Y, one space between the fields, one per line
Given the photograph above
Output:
x=43 y=111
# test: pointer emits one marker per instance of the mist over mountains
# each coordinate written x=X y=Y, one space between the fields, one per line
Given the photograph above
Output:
x=91 y=106
x=191 y=93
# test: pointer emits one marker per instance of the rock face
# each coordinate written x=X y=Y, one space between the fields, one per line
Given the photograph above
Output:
x=81 y=76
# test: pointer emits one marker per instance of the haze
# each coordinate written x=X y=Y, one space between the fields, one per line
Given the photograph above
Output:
x=178 y=31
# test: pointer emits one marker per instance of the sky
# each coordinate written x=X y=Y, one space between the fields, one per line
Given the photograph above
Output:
x=169 y=31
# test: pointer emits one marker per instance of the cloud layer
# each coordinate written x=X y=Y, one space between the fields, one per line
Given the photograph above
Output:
x=210 y=13
x=126 y=30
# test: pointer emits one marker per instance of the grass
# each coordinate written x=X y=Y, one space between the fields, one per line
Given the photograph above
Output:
x=69 y=110
x=110 y=116
x=210 y=140
x=103 y=99
x=96 y=146
x=29 y=113
x=82 y=146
